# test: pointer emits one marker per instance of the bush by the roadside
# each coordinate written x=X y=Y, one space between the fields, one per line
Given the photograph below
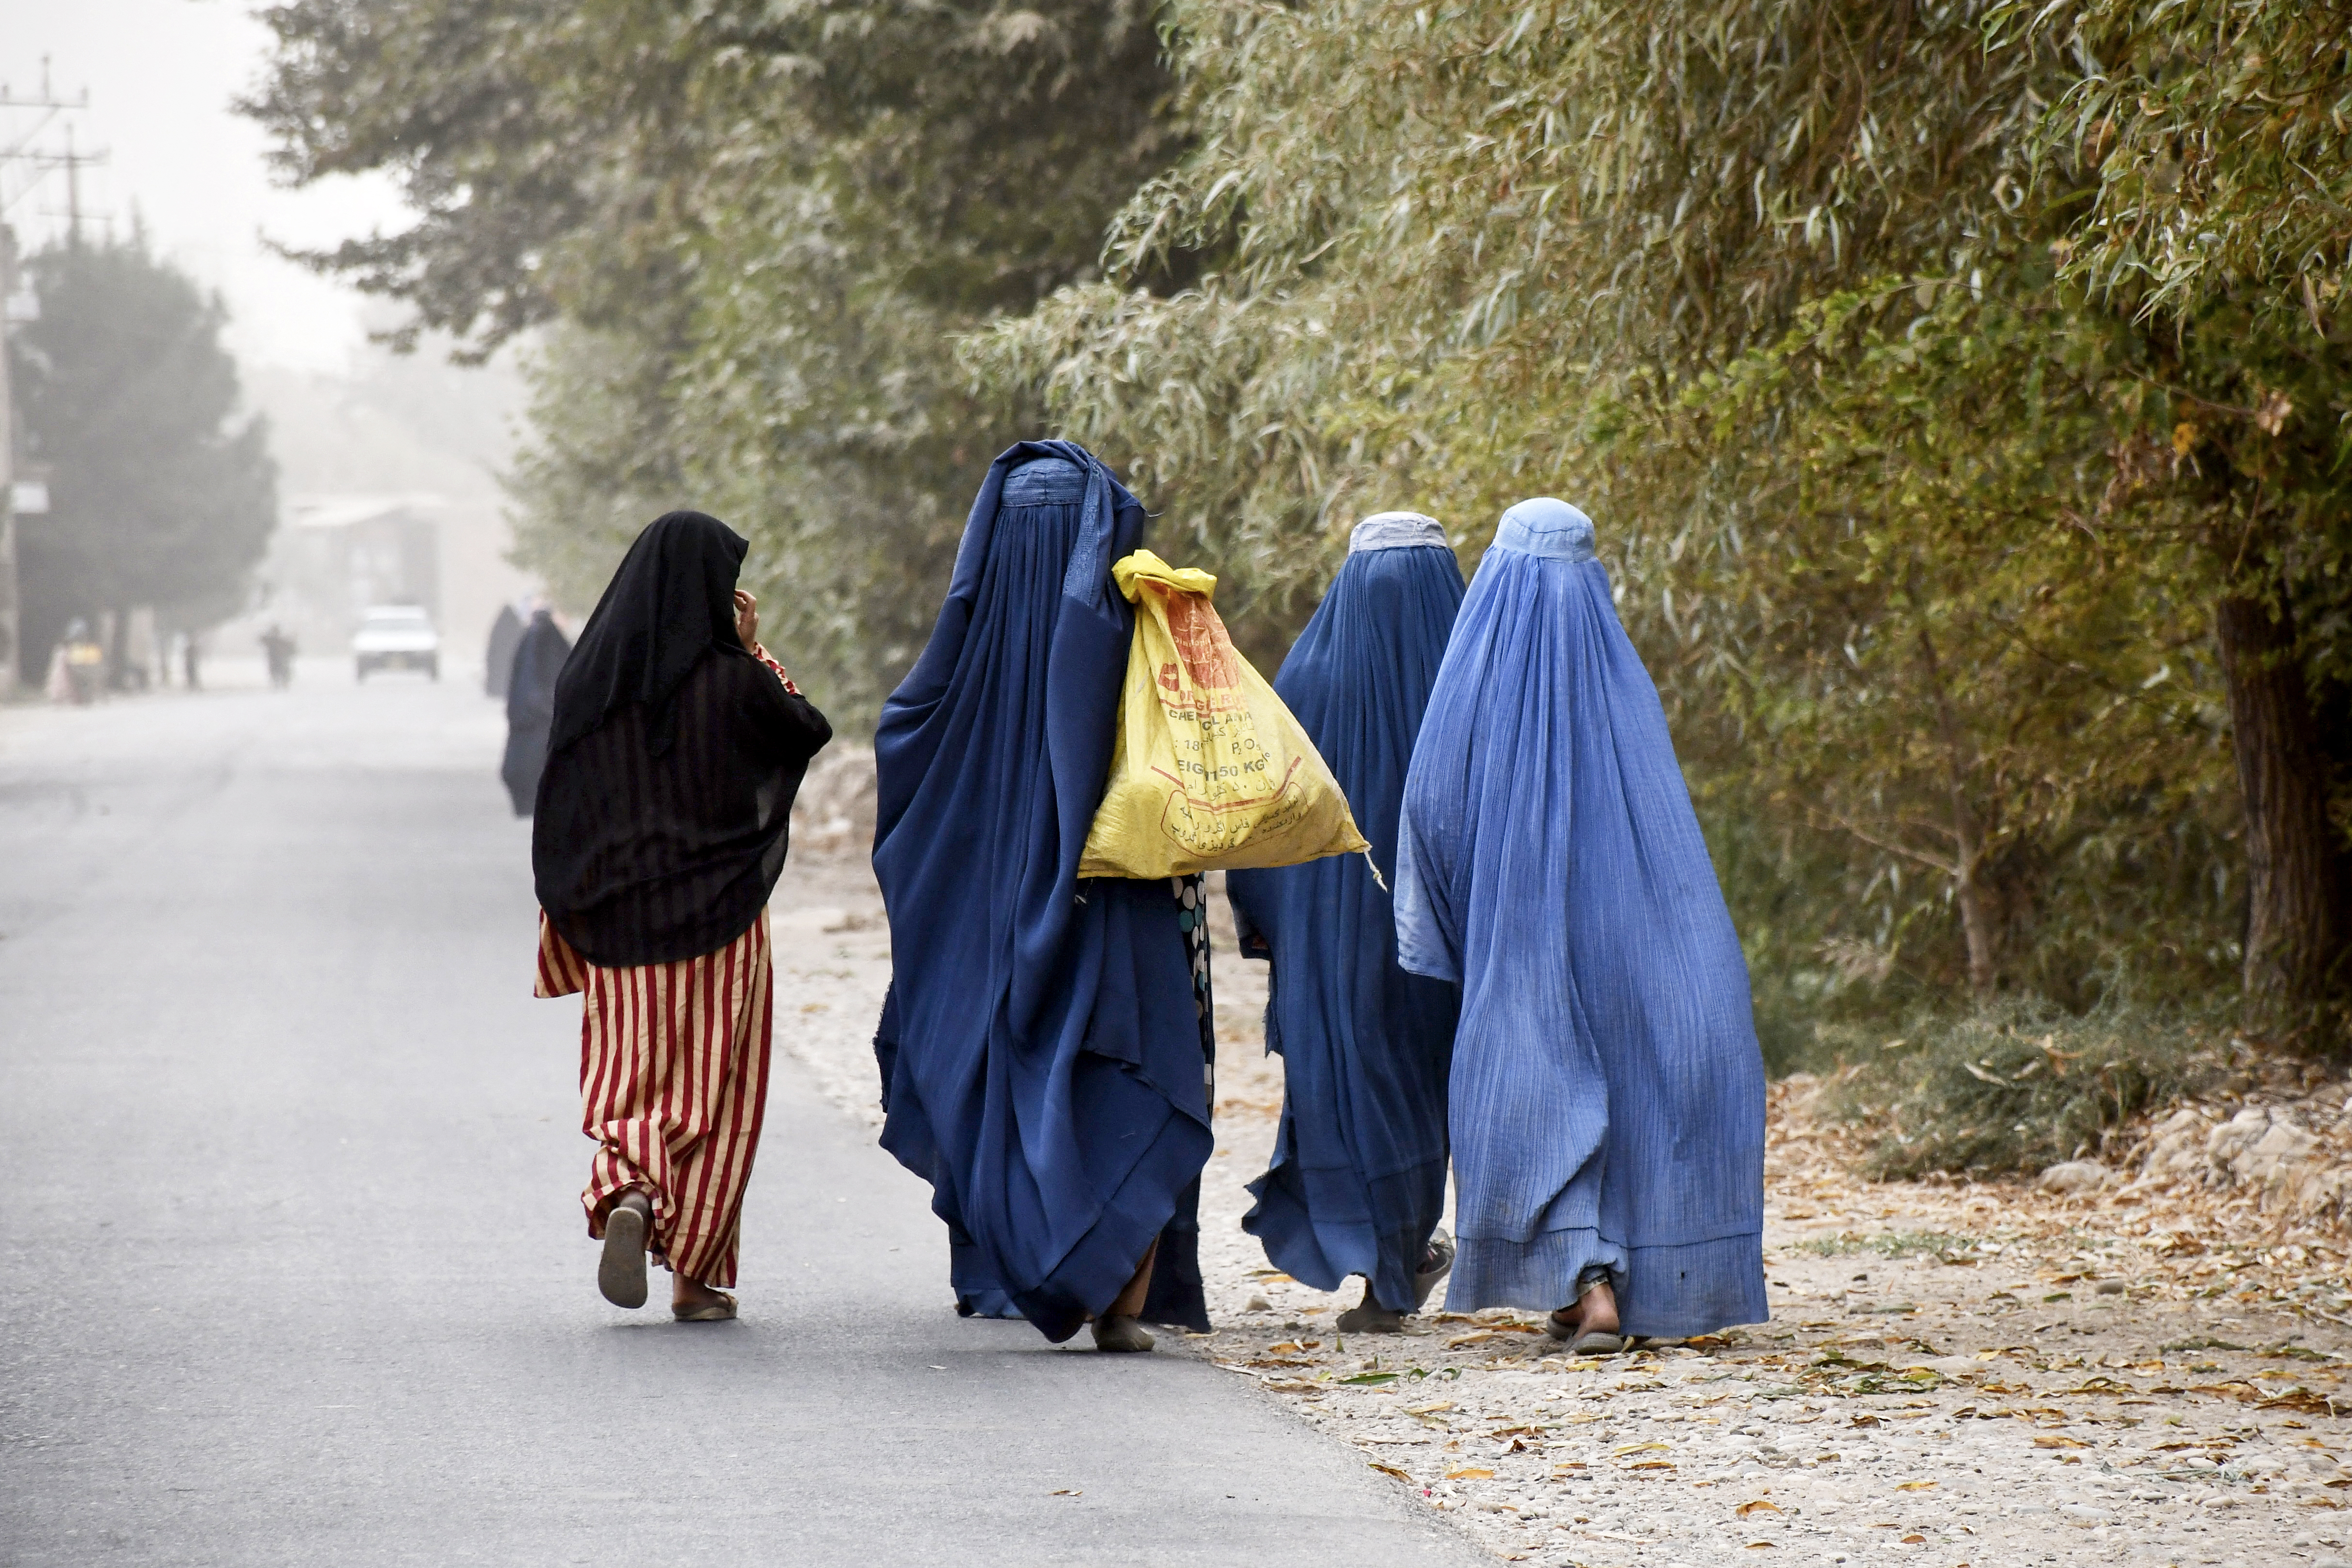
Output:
x=2019 y=1085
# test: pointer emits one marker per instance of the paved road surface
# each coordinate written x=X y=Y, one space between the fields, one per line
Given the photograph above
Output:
x=293 y=1269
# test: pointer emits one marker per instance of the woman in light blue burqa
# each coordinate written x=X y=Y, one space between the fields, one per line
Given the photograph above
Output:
x=1607 y=1092
x=1357 y=1184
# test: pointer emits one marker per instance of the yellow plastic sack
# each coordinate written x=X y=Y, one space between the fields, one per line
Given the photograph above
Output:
x=1209 y=771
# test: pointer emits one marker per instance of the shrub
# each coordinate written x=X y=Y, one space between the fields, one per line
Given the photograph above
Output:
x=2020 y=1085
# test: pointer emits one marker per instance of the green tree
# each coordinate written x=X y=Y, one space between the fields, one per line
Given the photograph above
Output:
x=1920 y=534
x=2211 y=140
x=756 y=230
x=159 y=493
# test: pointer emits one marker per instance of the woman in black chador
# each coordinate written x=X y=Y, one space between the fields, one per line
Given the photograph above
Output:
x=676 y=747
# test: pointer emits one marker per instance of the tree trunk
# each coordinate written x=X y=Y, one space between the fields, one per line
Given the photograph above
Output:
x=2299 y=903
x=1968 y=834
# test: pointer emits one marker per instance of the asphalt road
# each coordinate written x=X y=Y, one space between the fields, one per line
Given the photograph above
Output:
x=292 y=1268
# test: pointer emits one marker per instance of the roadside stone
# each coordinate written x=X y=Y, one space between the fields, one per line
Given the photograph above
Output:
x=2074 y=1177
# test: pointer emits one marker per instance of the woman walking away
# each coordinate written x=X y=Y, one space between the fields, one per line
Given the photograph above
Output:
x=1040 y=1045
x=1608 y=1096
x=536 y=662
x=1358 y=1178
x=676 y=749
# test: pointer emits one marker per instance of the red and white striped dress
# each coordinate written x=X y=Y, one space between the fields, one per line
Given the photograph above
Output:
x=673 y=1085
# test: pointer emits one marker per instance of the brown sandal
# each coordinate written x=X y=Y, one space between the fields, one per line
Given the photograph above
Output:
x=621 y=1270
x=719 y=1311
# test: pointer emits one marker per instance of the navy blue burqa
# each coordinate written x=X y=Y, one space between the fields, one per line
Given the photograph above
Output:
x=1358 y=1178
x=1039 y=1049
x=1608 y=1096
x=533 y=665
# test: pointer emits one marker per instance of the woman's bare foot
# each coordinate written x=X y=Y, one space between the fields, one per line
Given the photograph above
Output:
x=1591 y=1325
x=692 y=1301
x=621 y=1271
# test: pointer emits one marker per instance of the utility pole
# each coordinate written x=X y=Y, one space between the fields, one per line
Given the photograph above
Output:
x=73 y=191
x=10 y=648
x=21 y=150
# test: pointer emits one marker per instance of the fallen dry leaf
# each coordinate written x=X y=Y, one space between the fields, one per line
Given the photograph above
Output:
x=1639 y=1449
x=1470 y=1473
x=2058 y=1440
x=1915 y=1485
x=1066 y=1491
x=1760 y=1505
x=1389 y=1470
x=1914 y=1538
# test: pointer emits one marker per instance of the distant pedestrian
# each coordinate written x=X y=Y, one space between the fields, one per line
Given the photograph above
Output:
x=674 y=752
x=1042 y=1047
x=498 y=660
x=1608 y=1095
x=191 y=656
x=85 y=663
x=1356 y=1182
x=278 y=653
x=537 y=661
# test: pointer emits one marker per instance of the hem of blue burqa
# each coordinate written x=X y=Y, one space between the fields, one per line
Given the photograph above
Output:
x=1102 y=1261
x=1663 y=1292
x=1177 y=1296
x=1323 y=1252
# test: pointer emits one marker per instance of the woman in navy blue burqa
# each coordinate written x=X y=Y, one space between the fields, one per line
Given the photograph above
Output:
x=1356 y=1182
x=533 y=665
x=1041 y=1047
x=1608 y=1095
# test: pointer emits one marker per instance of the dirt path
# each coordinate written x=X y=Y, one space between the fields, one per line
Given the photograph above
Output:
x=1954 y=1375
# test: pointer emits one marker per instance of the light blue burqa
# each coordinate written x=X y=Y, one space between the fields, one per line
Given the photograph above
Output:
x=1607 y=1092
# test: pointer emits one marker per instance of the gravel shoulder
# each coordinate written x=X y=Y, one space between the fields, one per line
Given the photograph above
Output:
x=1955 y=1375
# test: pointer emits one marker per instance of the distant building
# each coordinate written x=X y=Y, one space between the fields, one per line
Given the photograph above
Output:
x=335 y=556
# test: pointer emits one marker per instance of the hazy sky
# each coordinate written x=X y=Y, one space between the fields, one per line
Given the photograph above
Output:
x=161 y=75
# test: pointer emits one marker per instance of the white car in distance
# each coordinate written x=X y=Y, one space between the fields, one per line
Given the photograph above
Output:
x=396 y=637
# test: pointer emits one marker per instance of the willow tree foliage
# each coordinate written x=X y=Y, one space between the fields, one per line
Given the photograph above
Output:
x=1959 y=385
x=2212 y=140
x=1800 y=299
x=751 y=231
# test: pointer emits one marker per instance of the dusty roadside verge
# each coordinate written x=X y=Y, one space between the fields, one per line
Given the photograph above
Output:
x=1987 y=1375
